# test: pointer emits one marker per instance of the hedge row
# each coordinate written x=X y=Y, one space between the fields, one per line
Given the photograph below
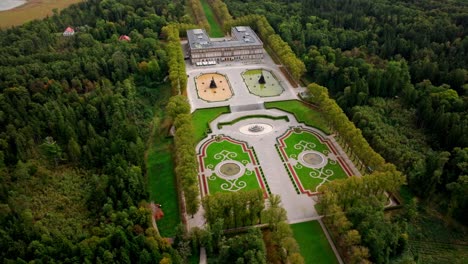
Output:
x=185 y=157
x=229 y=123
x=176 y=64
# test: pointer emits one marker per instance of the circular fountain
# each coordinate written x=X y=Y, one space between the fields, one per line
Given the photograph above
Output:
x=230 y=169
x=312 y=159
x=256 y=129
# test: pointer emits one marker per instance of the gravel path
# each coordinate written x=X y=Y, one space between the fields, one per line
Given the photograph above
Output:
x=299 y=207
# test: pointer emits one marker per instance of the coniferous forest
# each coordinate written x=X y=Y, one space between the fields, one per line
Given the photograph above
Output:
x=76 y=114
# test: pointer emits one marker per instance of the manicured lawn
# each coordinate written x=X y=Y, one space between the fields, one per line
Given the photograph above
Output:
x=303 y=113
x=201 y=119
x=160 y=170
x=216 y=31
x=162 y=186
x=314 y=245
x=311 y=178
x=217 y=152
x=311 y=139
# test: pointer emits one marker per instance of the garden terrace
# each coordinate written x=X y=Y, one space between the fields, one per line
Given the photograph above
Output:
x=310 y=159
x=229 y=165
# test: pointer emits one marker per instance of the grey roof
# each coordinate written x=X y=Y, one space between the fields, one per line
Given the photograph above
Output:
x=241 y=36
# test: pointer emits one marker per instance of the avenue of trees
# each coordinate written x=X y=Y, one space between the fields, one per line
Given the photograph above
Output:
x=281 y=48
x=351 y=136
x=199 y=14
x=398 y=71
x=379 y=57
x=176 y=64
x=222 y=13
x=178 y=109
x=356 y=218
x=238 y=210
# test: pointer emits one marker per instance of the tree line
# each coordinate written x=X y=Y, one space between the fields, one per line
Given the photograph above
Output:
x=222 y=13
x=199 y=14
x=178 y=109
x=176 y=63
x=281 y=49
x=74 y=114
x=345 y=129
x=235 y=212
x=393 y=67
x=356 y=219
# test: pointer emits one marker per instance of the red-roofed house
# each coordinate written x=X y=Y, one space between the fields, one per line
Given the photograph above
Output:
x=69 y=32
x=124 y=38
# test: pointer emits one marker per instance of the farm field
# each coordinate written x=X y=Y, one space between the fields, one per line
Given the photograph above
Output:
x=33 y=9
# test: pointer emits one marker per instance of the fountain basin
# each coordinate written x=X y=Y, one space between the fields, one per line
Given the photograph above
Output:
x=256 y=129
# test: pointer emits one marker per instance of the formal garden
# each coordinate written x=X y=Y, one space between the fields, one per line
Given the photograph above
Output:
x=213 y=87
x=310 y=159
x=262 y=83
x=229 y=165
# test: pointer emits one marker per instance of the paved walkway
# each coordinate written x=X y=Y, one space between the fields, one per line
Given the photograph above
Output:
x=241 y=96
x=299 y=207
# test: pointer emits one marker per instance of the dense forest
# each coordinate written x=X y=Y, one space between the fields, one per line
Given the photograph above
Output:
x=399 y=70
x=393 y=67
x=75 y=114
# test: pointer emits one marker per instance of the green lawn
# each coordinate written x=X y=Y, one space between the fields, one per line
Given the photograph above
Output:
x=314 y=245
x=312 y=178
x=248 y=181
x=201 y=119
x=216 y=31
x=160 y=171
x=162 y=187
x=303 y=113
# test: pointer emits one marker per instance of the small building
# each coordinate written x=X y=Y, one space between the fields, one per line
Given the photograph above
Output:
x=125 y=38
x=69 y=32
x=244 y=44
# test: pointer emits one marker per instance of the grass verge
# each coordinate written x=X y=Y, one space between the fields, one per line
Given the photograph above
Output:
x=201 y=119
x=215 y=29
x=248 y=181
x=303 y=113
x=160 y=171
x=313 y=243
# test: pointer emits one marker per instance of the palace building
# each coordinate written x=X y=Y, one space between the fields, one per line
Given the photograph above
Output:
x=244 y=44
